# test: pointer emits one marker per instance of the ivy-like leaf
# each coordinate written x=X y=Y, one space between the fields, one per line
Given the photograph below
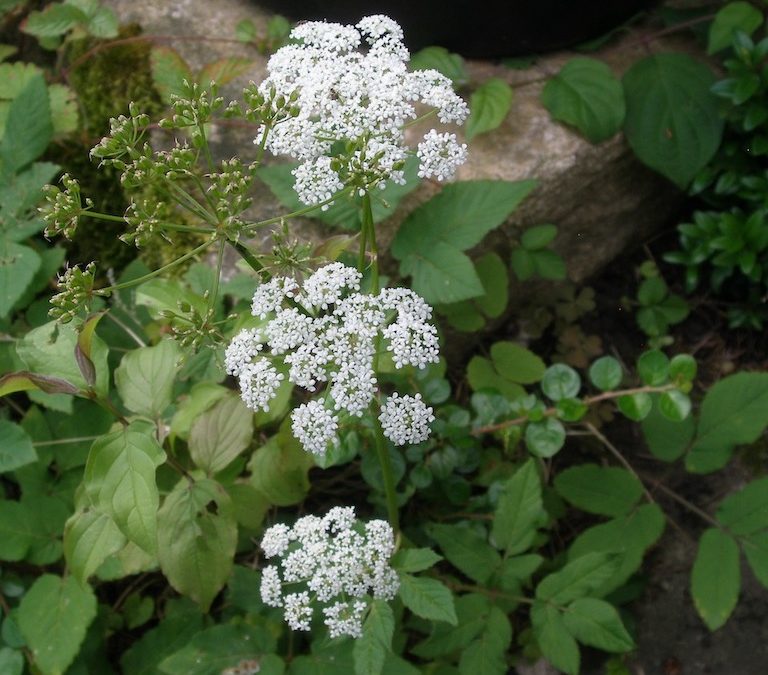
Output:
x=197 y=534
x=673 y=121
x=586 y=95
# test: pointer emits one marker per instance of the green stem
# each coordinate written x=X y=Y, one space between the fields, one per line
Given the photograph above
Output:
x=294 y=214
x=246 y=254
x=387 y=475
x=366 y=217
x=151 y=275
x=164 y=225
x=217 y=276
x=262 y=144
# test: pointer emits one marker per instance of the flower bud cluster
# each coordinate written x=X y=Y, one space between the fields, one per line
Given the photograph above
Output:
x=335 y=561
x=64 y=207
x=329 y=332
x=360 y=97
x=125 y=133
x=75 y=293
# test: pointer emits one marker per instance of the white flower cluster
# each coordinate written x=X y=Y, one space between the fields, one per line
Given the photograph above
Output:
x=336 y=561
x=363 y=98
x=328 y=332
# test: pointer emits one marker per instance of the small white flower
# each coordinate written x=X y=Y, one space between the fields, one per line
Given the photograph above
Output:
x=271 y=588
x=327 y=285
x=270 y=295
x=440 y=155
x=316 y=181
x=241 y=351
x=314 y=426
x=345 y=618
x=405 y=420
x=259 y=381
x=275 y=540
x=298 y=612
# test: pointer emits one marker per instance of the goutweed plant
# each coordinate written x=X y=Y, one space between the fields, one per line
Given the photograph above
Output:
x=136 y=459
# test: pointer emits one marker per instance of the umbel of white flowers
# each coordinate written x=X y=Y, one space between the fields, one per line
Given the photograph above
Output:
x=327 y=331
x=335 y=561
x=362 y=99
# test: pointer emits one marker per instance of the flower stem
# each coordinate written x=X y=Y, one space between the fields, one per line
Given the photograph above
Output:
x=366 y=217
x=388 y=478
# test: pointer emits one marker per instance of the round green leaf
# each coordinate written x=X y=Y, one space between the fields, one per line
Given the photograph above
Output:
x=653 y=367
x=635 y=406
x=674 y=405
x=682 y=368
x=544 y=439
x=586 y=95
x=606 y=373
x=673 y=121
x=571 y=409
x=560 y=381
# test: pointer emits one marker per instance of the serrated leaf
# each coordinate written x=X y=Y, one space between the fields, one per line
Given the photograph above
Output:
x=371 y=648
x=673 y=122
x=427 y=598
x=15 y=535
x=467 y=551
x=103 y=24
x=64 y=114
x=145 y=378
x=430 y=240
x=18 y=265
x=578 y=578
x=596 y=623
x=90 y=537
x=16 y=449
x=586 y=95
x=220 y=434
x=486 y=655
x=608 y=491
x=734 y=411
x=196 y=537
x=518 y=510
x=414 y=559
x=489 y=105
x=53 y=616
x=735 y=16
x=746 y=511
x=716 y=578
x=28 y=126
x=556 y=643
x=55 y=20
x=169 y=70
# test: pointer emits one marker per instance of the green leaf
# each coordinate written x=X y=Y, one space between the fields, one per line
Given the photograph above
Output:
x=103 y=24
x=674 y=405
x=653 y=367
x=522 y=263
x=223 y=71
x=467 y=551
x=546 y=438
x=487 y=654
x=53 y=617
x=430 y=240
x=556 y=643
x=607 y=491
x=716 y=577
x=427 y=598
x=482 y=374
x=50 y=349
x=196 y=538
x=489 y=105
x=15 y=534
x=635 y=406
x=746 y=512
x=372 y=646
x=578 y=578
x=279 y=469
x=64 y=114
x=440 y=59
x=560 y=381
x=220 y=434
x=18 y=265
x=170 y=635
x=755 y=549
x=16 y=449
x=735 y=16
x=493 y=275
x=221 y=649
x=516 y=363
x=586 y=95
x=519 y=510
x=538 y=237
x=548 y=265
x=11 y=661
x=413 y=559
x=55 y=20
x=606 y=373
x=472 y=611
x=246 y=30
x=169 y=70
x=28 y=126
x=90 y=537
x=597 y=624
x=673 y=122
x=734 y=411
x=666 y=439
x=682 y=368
x=120 y=481
x=145 y=378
